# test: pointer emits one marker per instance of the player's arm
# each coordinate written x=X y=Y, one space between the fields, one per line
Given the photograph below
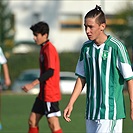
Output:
x=49 y=73
x=130 y=90
x=7 y=79
x=80 y=82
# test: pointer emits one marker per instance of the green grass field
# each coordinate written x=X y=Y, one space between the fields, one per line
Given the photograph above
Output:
x=16 y=109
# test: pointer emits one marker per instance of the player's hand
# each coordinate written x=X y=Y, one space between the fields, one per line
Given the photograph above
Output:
x=7 y=82
x=27 y=87
x=67 y=113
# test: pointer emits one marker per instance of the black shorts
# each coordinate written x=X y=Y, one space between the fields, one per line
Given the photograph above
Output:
x=49 y=109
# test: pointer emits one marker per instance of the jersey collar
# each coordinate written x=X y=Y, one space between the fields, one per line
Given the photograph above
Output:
x=98 y=47
x=44 y=43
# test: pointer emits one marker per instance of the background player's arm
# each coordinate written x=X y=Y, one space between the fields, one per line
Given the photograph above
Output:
x=80 y=82
x=130 y=90
x=44 y=77
x=7 y=79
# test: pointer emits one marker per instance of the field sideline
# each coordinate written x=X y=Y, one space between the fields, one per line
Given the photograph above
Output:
x=16 y=109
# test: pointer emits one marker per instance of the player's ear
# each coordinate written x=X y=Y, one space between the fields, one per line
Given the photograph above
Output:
x=45 y=35
x=103 y=26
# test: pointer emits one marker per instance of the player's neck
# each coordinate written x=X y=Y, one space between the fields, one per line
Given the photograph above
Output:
x=45 y=42
x=99 y=41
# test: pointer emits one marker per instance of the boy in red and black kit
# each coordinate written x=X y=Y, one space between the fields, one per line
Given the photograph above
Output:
x=47 y=101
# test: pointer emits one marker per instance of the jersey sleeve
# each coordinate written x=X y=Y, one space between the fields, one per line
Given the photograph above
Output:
x=2 y=57
x=124 y=64
x=80 y=71
x=51 y=57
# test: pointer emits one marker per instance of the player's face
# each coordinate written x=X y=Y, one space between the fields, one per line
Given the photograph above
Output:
x=39 y=38
x=93 y=30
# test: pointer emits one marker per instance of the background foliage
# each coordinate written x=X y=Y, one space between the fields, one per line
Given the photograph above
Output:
x=124 y=28
x=7 y=30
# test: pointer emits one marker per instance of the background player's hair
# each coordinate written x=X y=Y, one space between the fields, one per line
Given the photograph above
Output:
x=40 y=27
x=98 y=14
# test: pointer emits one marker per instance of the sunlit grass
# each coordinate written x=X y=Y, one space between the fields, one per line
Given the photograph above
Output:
x=16 y=110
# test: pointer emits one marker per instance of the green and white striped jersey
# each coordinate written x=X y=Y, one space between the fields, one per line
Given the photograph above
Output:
x=105 y=68
x=2 y=57
x=2 y=60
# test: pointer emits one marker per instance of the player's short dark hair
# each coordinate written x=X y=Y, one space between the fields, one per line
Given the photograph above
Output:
x=40 y=27
x=98 y=14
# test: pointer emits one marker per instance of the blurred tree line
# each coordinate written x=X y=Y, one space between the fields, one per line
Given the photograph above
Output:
x=123 y=25
x=6 y=26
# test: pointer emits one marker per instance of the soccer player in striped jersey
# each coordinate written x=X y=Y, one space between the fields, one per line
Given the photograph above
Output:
x=103 y=65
